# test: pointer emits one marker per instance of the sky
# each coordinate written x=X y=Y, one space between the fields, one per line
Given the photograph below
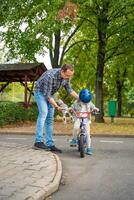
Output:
x=44 y=60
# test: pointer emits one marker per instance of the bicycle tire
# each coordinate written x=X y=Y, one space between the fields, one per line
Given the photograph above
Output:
x=78 y=143
x=82 y=148
x=79 y=148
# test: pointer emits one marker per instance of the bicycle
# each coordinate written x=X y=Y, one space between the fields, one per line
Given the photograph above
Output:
x=83 y=116
x=82 y=135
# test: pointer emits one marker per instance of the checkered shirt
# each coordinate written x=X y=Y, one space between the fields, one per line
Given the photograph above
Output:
x=50 y=82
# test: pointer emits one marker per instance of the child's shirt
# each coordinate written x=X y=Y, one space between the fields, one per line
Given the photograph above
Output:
x=79 y=106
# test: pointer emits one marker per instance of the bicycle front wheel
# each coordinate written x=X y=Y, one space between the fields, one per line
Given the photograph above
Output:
x=82 y=148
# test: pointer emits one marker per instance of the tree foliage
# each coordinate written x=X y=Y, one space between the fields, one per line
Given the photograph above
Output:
x=35 y=26
x=97 y=36
x=112 y=23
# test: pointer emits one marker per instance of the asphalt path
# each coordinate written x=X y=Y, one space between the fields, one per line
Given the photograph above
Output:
x=106 y=175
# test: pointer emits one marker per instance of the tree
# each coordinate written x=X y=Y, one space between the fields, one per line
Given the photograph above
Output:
x=119 y=80
x=35 y=26
x=105 y=25
x=111 y=19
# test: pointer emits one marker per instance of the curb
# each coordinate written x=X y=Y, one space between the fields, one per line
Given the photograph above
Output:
x=65 y=134
x=114 y=135
x=16 y=133
x=53 y=187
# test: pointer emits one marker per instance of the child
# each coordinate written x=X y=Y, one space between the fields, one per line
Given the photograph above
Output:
x=84 y=104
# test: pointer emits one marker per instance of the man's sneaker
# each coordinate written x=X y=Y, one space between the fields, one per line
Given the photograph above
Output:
x=54 y=149
x=73 y=143
x=40 y=145
x=89 y=151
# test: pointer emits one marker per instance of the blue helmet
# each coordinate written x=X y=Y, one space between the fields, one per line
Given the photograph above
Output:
x=85 y=96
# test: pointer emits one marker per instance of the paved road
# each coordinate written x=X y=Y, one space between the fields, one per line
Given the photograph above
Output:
x=107 y=174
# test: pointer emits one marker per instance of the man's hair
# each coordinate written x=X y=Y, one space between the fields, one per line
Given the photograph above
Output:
x=65 y=67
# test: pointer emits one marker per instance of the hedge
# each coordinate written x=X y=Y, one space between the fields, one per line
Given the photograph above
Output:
x=11 y=112
x=130 y=108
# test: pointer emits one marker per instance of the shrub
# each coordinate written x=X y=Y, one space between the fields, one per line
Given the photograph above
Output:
x=130 y=108
x=11 y=112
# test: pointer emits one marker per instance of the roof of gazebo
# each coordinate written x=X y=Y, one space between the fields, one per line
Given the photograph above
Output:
x=17 y=72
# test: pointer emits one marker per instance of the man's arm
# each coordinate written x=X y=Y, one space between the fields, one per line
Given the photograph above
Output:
x=75 y=95
x=68 y=87
x=53 y=102
x=48 y=95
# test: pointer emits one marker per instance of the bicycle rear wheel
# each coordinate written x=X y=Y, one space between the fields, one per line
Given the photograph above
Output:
x=82 y=148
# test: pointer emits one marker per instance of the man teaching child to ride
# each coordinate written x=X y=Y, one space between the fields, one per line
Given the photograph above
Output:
x=46 y=86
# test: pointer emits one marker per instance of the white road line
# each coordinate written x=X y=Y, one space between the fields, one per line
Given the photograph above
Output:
x=16 y=138
x=111 y=141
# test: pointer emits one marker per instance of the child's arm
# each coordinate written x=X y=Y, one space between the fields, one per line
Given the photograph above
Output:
x=93 y=107
x=74 y=105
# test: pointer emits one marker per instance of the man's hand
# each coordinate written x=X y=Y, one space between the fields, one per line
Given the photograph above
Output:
x=58 y=108
x=71 y=110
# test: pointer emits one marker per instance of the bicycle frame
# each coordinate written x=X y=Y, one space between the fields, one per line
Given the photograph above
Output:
x=82 y=136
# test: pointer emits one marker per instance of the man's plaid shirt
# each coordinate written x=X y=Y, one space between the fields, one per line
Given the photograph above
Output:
x=50 y=82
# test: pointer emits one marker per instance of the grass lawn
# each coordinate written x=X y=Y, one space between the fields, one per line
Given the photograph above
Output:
x=121 y=126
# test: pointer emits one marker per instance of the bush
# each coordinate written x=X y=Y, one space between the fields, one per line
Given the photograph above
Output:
x=130 y=108
x=11 y=112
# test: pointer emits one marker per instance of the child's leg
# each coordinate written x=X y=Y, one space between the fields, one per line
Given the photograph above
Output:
x=76 y=128
x=73 y=141
x=88 y=135
x=88 y=150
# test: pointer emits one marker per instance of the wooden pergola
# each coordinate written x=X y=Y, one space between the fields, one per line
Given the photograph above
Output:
x=23 y=73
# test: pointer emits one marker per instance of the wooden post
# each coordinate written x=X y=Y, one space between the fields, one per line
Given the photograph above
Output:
x=31 y=92
x=4 y=86
x=25 y=95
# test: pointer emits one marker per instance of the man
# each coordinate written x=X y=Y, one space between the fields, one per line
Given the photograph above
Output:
x=46 y=86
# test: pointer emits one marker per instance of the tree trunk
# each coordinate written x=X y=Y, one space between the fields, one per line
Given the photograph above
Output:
x=57 y=38
x=120 y=78
x=54 y=50
x=119 y=101
x=102 y=28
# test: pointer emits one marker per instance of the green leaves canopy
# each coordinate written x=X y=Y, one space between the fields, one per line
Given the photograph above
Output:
x=31 y=25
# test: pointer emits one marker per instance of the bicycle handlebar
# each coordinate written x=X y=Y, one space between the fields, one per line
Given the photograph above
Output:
x=69 y=111
x=85 y=114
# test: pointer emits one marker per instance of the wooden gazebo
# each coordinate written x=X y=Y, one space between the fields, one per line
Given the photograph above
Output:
x=23 y=73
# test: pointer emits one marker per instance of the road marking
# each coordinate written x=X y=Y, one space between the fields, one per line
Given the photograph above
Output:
x=112 y=141
x=16 y=138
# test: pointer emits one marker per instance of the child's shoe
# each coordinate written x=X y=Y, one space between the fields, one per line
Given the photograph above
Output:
x=89 y=151
x=73 y=142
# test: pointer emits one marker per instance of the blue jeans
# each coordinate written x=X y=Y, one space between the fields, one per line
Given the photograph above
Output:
x=44 y=120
